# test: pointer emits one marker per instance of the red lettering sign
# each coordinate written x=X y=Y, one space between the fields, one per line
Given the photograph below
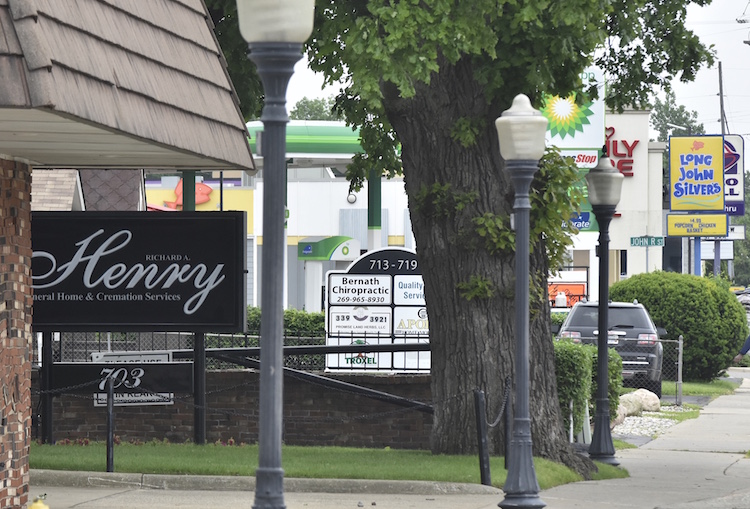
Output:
x=621 y=152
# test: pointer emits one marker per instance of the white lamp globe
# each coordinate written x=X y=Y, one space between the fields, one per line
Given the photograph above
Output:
x=521 y=131
x=604 y=183
x=276 y=20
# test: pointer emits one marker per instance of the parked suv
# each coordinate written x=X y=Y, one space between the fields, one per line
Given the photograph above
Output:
x=631 y=333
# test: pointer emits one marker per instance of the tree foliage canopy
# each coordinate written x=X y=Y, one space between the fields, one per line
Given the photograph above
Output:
x=430 y=77
x=381 y=47
x=315 y=109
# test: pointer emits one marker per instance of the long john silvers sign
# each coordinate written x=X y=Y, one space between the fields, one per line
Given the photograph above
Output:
x=139 y=271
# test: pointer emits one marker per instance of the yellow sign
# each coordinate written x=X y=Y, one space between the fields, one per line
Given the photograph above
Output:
x=696 y=173
x=697 y=225
x=233 y=199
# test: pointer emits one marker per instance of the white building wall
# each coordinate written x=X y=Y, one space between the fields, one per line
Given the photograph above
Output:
x=314 y=206
x=640 y=208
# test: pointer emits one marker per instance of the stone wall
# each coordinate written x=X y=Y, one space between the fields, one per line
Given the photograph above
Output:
x=15 y=332
x=313 y=414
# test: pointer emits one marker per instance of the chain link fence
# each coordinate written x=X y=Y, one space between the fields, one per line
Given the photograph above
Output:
x=303 y=351
x=671 y=369
x=353 y=354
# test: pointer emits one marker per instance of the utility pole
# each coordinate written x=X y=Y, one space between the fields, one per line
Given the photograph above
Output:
x=722 y=119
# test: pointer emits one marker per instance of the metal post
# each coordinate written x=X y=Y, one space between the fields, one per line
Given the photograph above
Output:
x=47 y=409
x=521 y=486
x=480 y=412
x=199 y=388
x=221 y=190
x=679 y=370
x=698 y=257
x=508 y=421
x=199 y=344
x=601 y=448
x=275 y=64
x=374 y=213
x=110 y=424
x=717 y=243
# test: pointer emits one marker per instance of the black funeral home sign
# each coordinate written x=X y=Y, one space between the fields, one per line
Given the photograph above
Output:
x=139 y=271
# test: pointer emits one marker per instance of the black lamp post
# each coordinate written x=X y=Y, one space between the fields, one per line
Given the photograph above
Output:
x=275 y=31
x=604 y=186
x=521 y=131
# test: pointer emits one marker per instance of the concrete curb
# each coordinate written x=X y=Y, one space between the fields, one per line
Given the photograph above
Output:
x=63 y=478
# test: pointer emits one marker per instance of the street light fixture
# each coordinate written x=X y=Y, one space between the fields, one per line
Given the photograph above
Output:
x=604 y=186
x=687 y=129
x=275 y=31
x=521 y=131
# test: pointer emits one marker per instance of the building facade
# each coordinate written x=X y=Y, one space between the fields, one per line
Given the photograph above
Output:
x=321 y=206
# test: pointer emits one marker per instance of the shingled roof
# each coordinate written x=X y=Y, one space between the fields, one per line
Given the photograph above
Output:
x=58 y=190
x=116 y=84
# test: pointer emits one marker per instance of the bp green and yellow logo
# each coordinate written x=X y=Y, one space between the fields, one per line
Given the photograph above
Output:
x=565 y=116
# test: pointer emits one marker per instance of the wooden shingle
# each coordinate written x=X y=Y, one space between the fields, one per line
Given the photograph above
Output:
x=117 y=84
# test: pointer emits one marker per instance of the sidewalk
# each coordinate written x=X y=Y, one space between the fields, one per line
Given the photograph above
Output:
x=698 y=463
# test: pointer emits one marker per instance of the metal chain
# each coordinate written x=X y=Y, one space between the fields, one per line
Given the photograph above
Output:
x=71 y=388
x=506 y=395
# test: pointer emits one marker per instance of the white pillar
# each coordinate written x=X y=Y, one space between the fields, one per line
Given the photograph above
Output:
x=313 y=286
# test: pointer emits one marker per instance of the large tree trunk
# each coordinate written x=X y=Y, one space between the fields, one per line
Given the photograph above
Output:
x=472 y=341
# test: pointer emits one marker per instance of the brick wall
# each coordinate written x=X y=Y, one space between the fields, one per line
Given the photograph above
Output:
x=15 y=332
x=313 y=414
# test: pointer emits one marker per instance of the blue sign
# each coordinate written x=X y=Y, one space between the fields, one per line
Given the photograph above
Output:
x=581 y=221
x=734 y=175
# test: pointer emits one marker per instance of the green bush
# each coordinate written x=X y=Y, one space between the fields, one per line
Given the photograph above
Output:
x=296 y=322
x=702 y=310
x=253 y=320
x=302 y=323
x=558 y=318
x=575 y=370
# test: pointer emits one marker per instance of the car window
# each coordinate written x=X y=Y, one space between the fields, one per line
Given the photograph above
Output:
x=624 y=317
x=584 y=317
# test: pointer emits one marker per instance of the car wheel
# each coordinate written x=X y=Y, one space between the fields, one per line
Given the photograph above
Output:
x=653 y=386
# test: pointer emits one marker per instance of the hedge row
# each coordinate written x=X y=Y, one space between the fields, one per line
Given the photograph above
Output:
x=296 y=322
x=702 y=310
x=576 y=372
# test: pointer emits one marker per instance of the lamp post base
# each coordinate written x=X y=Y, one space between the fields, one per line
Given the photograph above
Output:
x=602 y=449
x=521 y=486
x=269 y=491
x=606 y=459
x=525 y=500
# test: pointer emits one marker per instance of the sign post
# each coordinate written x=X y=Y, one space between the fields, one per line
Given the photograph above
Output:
x=647 y=241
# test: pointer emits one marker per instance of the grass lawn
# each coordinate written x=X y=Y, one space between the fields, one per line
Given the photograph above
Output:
x=305 y=462
x=327 y=462
x=711 y=389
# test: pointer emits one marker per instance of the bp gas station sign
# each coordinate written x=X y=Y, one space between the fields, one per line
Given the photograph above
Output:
x=378 y=300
